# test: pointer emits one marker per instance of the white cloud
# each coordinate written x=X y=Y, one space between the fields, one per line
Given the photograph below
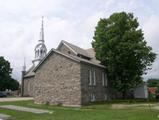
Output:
x=73 y=21
x=151 y=28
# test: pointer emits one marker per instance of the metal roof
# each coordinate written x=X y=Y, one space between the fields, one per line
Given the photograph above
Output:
x=76 y=49
x=72 y=57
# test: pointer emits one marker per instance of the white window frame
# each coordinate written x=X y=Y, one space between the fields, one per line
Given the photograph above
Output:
x=94 y=77
x=92 y=97
x=90 y=77
x=104 y=79
x=105 y=97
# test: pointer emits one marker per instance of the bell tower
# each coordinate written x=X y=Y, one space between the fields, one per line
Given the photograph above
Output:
x=40 y=49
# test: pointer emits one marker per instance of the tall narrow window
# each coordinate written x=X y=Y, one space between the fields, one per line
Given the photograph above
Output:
x=90 y=77
x=104 y=79
x=94 y=77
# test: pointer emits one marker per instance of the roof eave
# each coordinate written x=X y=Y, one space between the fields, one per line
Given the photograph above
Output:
x=53 y=50
x=101 y=66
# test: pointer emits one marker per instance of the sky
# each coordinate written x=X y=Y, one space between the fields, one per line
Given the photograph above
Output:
x=70 y=20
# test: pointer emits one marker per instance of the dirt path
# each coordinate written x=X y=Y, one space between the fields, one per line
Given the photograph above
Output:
x=15 y=99
x=25 y=109
x=124 y=106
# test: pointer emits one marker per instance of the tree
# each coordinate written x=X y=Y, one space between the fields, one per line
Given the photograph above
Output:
x=6 y=82
x=120 y=46
x=12 y=84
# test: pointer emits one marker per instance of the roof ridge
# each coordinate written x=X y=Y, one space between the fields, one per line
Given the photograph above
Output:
x=75 y=58
x=77 y=49
x=72 y=44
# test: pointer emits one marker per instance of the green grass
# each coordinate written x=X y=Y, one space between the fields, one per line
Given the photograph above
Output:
x=92 y=112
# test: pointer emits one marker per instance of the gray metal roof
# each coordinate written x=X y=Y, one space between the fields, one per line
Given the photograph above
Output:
x=91 y=52
x=77 y=49
x=72 y=57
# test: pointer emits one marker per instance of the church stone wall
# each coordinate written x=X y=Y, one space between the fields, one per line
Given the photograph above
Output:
x=28 y=89
x=58 y=81
x=100 y=91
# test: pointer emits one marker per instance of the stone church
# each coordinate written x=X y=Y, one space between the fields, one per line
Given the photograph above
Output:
x=67 y=75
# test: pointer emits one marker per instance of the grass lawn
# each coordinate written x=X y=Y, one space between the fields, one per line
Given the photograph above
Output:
x=93 y=112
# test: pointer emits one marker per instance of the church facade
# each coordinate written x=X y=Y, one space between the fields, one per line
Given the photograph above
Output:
x=67 y=75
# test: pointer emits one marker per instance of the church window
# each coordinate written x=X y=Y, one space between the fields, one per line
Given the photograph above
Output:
x=37 y=53
x=105 y=97
x=104 y=79
x=92 y=97
x=69 y=52
x=94 y=77
x=41 y=52
x=90 y=77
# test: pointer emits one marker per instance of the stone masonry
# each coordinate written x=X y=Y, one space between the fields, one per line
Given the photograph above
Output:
x=63 y=77
x=28 y=86
x=98 y=90
x=58 y=81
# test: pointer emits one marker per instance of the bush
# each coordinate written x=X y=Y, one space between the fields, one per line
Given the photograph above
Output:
x=152 y=97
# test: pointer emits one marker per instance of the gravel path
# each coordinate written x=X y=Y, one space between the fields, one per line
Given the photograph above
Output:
x=4 y=116
x=25 y=109
x=124 y=106
x=15 y=99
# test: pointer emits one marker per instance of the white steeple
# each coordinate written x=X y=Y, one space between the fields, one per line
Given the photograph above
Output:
x=40 y=48
x=24 y=66
x=42 y=31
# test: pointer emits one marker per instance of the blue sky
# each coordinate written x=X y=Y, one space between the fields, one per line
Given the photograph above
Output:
x=70 y=20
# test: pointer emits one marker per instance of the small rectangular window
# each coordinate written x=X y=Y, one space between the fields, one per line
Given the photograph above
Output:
x=92 y=97
x=105 y=97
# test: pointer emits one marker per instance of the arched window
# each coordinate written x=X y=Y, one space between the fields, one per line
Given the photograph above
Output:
x=41 y=52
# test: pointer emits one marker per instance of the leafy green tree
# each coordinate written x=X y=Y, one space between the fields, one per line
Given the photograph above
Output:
x=5 y=72
x=12 y=84
x=120 y=45
x=6 y=82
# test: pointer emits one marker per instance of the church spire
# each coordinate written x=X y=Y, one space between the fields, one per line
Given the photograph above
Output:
x=24 y=66
x=42 y=30
x=40 y=48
